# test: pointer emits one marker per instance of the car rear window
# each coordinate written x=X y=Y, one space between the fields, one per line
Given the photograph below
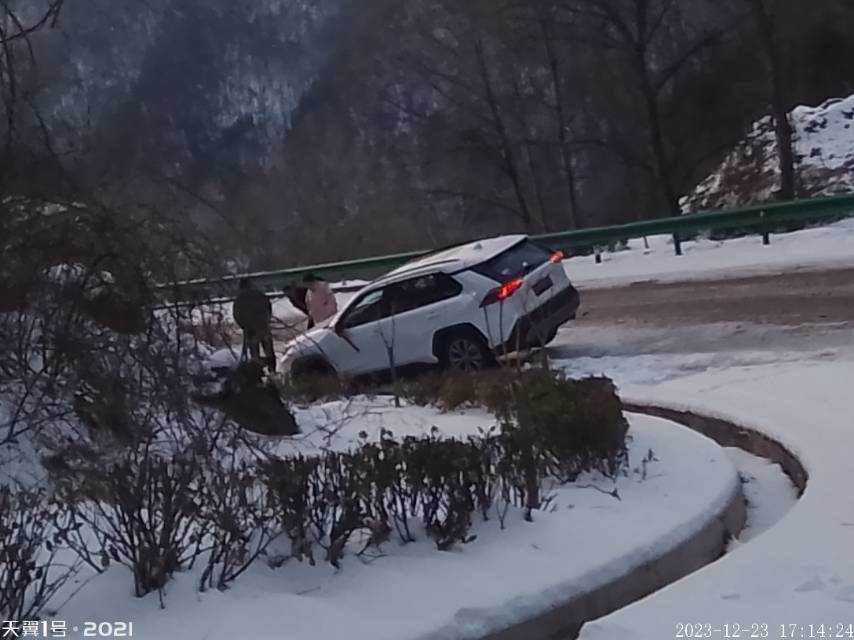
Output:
x=517 y=261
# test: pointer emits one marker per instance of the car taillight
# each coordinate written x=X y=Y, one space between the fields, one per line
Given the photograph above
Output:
x=557 y=256
x=502 y=292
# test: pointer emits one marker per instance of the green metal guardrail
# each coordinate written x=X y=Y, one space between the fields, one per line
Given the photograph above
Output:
x=763 y=219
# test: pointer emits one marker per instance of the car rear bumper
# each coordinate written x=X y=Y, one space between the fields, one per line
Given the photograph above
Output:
x=535 y=328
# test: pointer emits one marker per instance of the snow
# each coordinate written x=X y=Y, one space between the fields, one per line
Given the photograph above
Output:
x=824 y=134
x=792 y=385
x=223 y=360
x=823 y=144
x=94 y=283
x=414 y=591
x=812 y=248
x=336 y=425
x=770 y=494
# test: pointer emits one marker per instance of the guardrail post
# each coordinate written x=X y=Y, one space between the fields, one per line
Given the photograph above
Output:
x=677 y=244
x=766 y=232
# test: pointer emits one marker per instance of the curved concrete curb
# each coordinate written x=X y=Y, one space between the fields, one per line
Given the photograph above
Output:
x=728 y=434
x=706 y=546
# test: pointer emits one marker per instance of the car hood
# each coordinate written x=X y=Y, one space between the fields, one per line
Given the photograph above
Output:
x=309 y=340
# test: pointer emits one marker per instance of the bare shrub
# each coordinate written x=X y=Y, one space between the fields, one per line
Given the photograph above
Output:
x=143 y=512
x=289 y=481
x=577 y=425
x=309 y=388
x=241 y=523
x=30 y=575
x=551 y=427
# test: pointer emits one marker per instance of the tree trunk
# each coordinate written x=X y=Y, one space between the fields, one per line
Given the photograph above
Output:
x=507 y=154
x=574 y=216
x=765 y=20
x=661 y=163
x=538 y=189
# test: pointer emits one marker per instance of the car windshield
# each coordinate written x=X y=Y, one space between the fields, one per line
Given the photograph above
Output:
x=367 y=308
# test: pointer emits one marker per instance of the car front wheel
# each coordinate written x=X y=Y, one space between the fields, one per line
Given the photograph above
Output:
x=311 y=368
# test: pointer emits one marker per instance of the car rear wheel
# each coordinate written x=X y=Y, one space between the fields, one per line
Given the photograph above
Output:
x=466 y=352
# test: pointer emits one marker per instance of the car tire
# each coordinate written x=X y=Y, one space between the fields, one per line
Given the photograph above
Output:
x=465 y=351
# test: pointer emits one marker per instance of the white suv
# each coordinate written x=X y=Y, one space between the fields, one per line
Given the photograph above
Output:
x=458 y=308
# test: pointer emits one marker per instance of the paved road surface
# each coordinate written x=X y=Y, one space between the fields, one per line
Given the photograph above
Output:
x=795 y=298
x=797 y=312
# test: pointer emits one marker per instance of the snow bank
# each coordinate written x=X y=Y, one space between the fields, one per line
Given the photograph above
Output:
x=823 y=143
x=501 y=578
x=769 y=492
x=829 y=246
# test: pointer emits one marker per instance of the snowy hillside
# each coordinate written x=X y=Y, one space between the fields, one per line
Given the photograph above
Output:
x=191 y=75
x=824 y=153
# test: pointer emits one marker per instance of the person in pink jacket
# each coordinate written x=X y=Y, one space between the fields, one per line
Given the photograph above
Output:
x=319 y=300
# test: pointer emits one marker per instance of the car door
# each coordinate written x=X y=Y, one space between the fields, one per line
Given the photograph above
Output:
x=363 y=335
x=420 y=307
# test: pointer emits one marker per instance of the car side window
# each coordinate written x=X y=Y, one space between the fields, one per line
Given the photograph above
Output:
x=370 y=308
x=422 y=291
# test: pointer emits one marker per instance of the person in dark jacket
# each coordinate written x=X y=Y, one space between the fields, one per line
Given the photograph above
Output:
x=253 y=312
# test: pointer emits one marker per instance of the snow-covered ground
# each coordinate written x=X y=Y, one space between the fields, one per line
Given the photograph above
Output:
x=337 y=425
x=830 y=246
x=793 y=384
x=501 y=578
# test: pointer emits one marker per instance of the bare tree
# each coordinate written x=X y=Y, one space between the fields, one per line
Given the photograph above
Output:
x=458 y=58
x=641 y=31
x=17 y=55
x=546 y=30
x=764 y=14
